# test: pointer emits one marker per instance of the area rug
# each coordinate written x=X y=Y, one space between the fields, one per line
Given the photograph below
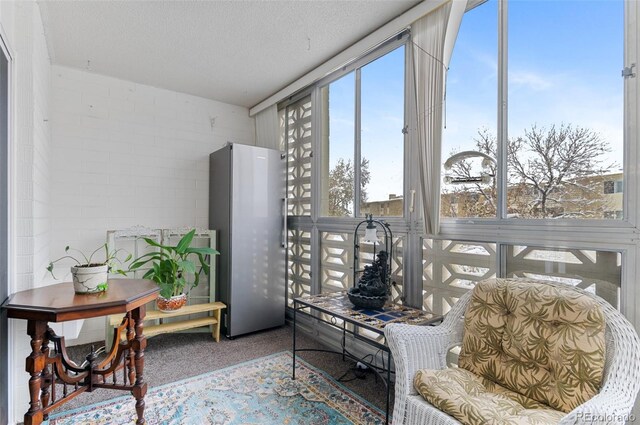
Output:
x=260 y=391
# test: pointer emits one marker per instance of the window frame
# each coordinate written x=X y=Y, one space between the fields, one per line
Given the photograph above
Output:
x=630 y=138
x=619 y=235
x=355 y=66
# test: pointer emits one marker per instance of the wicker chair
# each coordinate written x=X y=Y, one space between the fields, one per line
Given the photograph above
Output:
x=417 y=347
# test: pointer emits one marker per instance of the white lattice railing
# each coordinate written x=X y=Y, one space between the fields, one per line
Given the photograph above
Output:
x=450 y=268
x=298 y=131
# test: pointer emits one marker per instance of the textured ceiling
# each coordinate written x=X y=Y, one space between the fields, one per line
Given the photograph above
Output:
x=238 y=52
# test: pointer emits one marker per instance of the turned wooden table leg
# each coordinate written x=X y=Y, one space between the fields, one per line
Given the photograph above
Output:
x=139 y=344
x=34 y=365
x=47 y=375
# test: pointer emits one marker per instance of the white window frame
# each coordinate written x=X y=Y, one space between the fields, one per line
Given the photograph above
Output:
x=597 y=234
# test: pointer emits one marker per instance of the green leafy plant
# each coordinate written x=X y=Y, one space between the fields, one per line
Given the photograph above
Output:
x=171 y=265
x=110 y=259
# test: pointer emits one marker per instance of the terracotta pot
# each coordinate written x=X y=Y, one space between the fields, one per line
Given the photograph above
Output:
x=172 y=304
x=90 y=280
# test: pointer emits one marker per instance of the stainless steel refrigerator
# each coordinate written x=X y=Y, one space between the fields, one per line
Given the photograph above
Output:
x=247 y=202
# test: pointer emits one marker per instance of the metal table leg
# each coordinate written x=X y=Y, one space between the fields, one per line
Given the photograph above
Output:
x=295 y=309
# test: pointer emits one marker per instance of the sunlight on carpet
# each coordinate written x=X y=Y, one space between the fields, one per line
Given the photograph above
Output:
x=259 y=391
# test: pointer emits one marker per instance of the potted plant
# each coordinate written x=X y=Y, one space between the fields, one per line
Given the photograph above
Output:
x=171 y=267
x=89 y=275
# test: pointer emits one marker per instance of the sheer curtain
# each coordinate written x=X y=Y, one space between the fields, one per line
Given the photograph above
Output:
x=268 y=128
x=433 y=37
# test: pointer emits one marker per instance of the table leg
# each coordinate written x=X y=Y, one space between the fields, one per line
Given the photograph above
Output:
x=139 y=344
x=47 y=376
x=35 y=365
x=293 y=373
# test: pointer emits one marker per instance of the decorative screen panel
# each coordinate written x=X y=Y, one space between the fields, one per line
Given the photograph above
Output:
x=336 y=261
x=299 y=267
x=298 y=137
x=451 y=268
x=397 y=265
x=599 y=272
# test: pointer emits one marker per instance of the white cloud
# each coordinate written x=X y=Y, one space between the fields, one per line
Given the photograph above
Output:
x=529 y=80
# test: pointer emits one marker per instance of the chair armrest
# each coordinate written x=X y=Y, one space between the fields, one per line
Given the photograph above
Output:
x=615 y=400
x=418 y=347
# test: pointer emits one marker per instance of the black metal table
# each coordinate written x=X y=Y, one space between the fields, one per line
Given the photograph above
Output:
x=341 y=313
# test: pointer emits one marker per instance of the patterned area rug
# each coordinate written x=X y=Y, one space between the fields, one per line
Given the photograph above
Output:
x=260 y=391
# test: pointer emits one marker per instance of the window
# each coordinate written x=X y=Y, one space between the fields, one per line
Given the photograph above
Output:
x=564 y=95
x=349 y=127
x=338 y=176
x=471 y=118
x=611 y=186
x=565 y=106
x=554 y=150
x=362 y=140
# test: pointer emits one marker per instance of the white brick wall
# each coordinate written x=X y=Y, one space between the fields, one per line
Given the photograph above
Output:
x=30 y=145
x=126 y=154
x=93 y=153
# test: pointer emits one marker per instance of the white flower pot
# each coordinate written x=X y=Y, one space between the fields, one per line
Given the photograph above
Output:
x=89 y=280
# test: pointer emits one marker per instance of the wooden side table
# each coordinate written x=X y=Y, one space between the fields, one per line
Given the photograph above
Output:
x=52 y=373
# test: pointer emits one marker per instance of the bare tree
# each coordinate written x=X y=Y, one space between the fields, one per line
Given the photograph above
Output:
x=341 y=186
x=551 y=173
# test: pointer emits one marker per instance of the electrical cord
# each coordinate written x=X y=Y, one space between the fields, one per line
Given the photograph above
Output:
x=358 y=372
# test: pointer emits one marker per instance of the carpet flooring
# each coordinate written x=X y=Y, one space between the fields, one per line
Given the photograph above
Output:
x=172 y=357
x=256 y=392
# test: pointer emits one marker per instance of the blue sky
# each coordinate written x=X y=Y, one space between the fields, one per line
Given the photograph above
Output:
x=564 y=64
x=382 y=111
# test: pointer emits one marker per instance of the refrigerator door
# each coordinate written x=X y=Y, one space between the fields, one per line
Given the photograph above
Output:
x=258 y=258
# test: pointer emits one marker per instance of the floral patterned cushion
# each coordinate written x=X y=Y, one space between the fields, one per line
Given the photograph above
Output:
x=474 y=400
x=538 y=339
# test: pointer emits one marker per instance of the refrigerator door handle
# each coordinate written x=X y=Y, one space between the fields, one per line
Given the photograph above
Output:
x=285 y=208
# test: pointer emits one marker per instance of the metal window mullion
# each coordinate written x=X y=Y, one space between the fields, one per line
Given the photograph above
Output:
x=630 y=115
x=357 y=146
x=503 y=133
x=316 y=149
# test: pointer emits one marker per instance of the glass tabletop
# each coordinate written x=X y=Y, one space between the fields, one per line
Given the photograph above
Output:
x=337 y=304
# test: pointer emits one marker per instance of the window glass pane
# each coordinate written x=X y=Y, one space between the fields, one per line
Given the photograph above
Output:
x=337 y=143
x=565 y=109
x=468 y=188
x=451 y=268
x=599 y=272
x=382 y=141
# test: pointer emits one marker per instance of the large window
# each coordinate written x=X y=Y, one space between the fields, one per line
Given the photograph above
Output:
x=345 y=144
x=561 y=132
x=533 y=131
x=471 y=118
x=362 y=140
x=533 y=158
